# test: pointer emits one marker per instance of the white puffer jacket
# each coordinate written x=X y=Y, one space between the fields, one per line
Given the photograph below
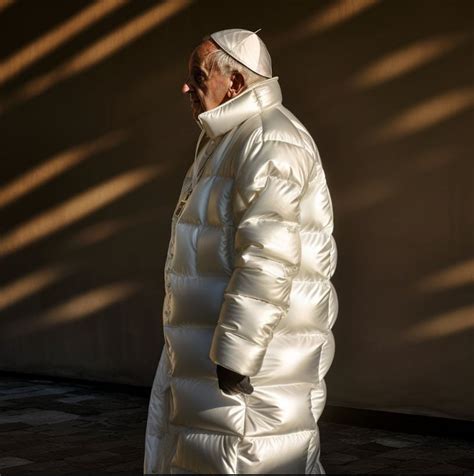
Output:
x=247 y=287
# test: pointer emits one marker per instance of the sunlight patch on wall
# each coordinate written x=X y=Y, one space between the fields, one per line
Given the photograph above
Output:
x=365 y=195
x=99 y=51
x=404 y=60
x=433 y=157
x=334 y=14
x=53 y=167
x=55 y=38
x=75 y=208
x=99 y=232
x=373 y=191
x=4 y=4
x=443 y=325
x=108 y=228
x=461 y=274
x=76 y=308
x=31 y=284
x=425 y=114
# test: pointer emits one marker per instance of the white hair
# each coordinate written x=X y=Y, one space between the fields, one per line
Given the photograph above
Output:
x=228 y=65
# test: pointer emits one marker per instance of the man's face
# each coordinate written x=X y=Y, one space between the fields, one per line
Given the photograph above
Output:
x=206 y=86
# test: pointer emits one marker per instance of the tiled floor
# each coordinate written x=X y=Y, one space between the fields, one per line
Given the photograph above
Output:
x=54 y=427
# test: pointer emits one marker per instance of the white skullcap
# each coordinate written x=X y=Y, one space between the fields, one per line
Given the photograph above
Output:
x=247 y=48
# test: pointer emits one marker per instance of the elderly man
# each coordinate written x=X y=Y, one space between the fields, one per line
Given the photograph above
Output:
x=249 y=305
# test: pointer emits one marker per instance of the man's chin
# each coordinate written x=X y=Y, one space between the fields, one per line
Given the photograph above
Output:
x=196 y=109
x=196 y=112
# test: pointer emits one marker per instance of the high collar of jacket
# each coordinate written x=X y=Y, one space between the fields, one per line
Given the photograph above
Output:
x=255 y=99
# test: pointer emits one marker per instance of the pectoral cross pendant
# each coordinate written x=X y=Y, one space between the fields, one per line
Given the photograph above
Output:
x=182 y=202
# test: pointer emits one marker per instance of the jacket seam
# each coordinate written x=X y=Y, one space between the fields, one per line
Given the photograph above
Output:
x=244 y=397
x=294 y=144
x=312 y=281
x=301 y=131
x=207 y=432
x=251 y=297
x=314 y=333
x=284 y=180
x=283 y=434
x=273 y=220
x=188 y=429
x=284 y=263
x=240 y=336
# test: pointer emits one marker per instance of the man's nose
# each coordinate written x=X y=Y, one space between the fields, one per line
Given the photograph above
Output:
x=185 y=89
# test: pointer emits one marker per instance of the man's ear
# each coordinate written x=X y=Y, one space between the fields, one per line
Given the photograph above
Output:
x=237 y=85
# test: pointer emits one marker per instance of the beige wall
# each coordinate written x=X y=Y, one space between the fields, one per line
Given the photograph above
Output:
x=96 y=137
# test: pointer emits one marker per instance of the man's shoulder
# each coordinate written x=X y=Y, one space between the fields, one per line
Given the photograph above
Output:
x=273 y=140
x=278 y=124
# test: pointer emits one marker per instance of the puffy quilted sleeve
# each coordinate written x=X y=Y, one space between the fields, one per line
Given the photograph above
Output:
x=269 y=184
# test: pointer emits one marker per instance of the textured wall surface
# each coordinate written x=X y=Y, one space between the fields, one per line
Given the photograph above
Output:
x=95 y=138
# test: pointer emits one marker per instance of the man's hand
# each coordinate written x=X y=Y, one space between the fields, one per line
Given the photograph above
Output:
x=231 y=382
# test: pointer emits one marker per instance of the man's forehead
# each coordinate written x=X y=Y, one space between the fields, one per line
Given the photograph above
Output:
x=200 y=53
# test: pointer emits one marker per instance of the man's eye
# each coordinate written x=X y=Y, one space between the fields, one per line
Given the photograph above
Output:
x=199 y=77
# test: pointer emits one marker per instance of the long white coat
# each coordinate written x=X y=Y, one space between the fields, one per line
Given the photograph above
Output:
x=248 y=287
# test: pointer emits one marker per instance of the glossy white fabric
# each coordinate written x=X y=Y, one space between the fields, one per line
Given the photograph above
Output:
x=247 y=280
x=246 y=47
